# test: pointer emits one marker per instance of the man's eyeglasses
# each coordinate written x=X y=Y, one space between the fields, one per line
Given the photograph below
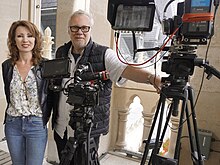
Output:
x=84 y=29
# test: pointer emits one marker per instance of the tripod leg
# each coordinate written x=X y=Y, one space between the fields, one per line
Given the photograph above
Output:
x=196 y=158
x=161 y=101
x=158 y=142
x=166 y=123
x=69 y=151
x=93 y=153
x=191 y=99
x=177 y=149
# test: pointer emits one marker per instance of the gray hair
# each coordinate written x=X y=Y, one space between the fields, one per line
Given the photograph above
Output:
x=82 y=12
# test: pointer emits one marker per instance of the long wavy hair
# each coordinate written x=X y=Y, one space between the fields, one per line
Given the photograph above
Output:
x=13 y=50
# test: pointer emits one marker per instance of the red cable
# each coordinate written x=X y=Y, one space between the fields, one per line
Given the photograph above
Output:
x=152 y=56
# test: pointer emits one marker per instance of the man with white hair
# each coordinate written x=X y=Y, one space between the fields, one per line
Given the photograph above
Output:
x=81 y=50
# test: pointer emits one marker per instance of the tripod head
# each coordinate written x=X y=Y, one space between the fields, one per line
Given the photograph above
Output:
x=180 y=64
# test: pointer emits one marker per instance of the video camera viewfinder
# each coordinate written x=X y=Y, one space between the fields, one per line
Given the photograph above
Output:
x=56 y=68
x=131 y=15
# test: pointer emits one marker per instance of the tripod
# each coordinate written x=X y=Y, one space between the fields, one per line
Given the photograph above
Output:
x=176 y=91
x=80 y=149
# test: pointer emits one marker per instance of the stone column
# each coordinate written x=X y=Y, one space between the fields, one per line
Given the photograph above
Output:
x=47 y=43
x=122 y=117
x=148 y=117
x=173 y=135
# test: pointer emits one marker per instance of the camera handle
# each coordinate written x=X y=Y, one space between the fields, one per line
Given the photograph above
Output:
x=210 y=70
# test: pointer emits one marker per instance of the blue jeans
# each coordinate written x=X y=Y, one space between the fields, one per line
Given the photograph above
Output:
x=26 y=139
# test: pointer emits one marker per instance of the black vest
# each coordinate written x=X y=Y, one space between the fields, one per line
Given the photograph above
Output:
x=95 y=55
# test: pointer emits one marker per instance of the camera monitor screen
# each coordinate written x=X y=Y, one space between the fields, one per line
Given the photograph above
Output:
x=131 y=15
x=56 y=68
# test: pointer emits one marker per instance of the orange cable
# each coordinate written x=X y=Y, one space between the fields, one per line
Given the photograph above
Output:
x=197 y=17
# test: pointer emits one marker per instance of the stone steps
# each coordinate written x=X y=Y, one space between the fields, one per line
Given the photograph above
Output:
x=5 y=158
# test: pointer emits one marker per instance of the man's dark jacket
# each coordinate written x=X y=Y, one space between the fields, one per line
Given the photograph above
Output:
x=95 y=55
x=42 y=87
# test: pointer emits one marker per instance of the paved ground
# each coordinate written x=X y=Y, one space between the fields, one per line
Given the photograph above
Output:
x=111 y=158
x=117 y=159
x=108 y=159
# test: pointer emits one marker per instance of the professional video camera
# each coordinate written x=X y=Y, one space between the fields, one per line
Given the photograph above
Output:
x=82 y=92
x=86 y=83
x=192 y=26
